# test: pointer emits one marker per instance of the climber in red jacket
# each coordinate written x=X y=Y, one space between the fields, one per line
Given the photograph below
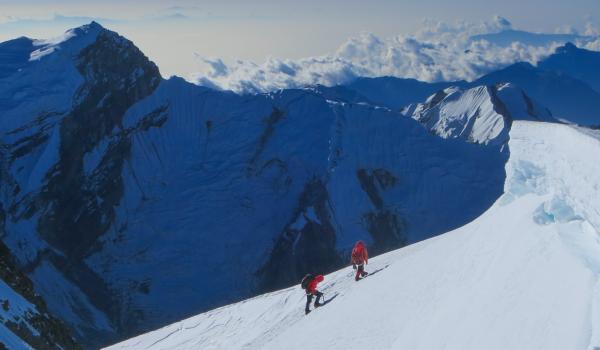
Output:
x=309 y=283
x=360 y=257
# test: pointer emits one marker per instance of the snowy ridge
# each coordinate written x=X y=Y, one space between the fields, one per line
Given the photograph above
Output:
x=524 y=275
x=481 y=114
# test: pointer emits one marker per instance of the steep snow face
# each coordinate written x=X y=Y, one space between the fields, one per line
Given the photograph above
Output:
x=480 y=115
x=523 y=275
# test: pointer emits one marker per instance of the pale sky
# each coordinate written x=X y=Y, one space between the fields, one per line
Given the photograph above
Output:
x=172 y=33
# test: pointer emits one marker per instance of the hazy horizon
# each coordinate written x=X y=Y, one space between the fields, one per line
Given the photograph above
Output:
x=180 y=36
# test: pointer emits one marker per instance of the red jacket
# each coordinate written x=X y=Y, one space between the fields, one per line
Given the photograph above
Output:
x=312 y=286
x=360 y=254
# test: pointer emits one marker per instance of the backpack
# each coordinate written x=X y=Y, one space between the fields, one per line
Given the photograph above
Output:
x=357 y=255
x=306 y=280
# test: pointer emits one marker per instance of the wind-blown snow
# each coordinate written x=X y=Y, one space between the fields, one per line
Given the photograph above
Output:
x=522 y=276
x=32 y=85
x=48 y=46
x=438 y=52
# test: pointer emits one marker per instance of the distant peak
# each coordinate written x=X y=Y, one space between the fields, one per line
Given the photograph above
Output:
x=90 y=28
x=567 y=48
x=94 y=24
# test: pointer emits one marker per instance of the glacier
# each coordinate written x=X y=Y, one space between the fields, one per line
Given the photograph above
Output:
x=508 y=280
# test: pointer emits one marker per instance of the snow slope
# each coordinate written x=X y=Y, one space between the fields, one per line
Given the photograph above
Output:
x=524 y=275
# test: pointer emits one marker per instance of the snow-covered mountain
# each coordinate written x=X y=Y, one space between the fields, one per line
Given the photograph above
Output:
x=60 y=98
x=132 y=201
x=480 y=115
x=524 y=275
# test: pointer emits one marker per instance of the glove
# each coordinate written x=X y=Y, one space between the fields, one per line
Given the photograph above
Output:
x=354 y=266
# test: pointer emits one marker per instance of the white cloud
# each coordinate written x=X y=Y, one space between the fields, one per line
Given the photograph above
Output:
x=593 y=45
x=438 y=51
x=591 y=30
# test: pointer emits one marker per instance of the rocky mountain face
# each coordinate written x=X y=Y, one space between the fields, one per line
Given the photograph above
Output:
x=53 y=211
x=131 y=201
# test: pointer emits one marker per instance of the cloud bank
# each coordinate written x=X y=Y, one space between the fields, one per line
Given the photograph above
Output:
x=437 y=52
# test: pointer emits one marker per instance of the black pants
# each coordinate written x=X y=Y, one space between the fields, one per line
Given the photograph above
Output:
x=360 y=272
x=309 y=297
